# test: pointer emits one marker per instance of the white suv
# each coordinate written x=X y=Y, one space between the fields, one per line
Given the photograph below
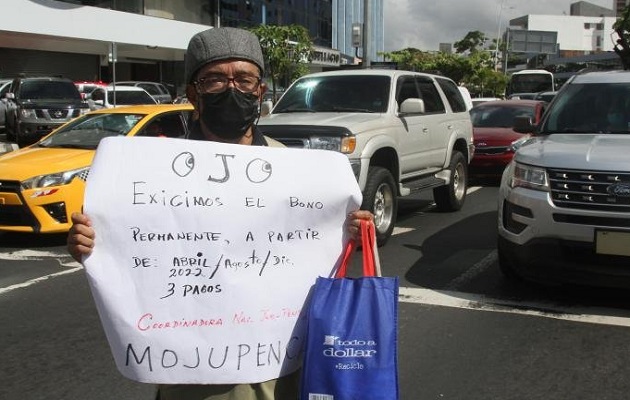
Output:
x=402 y=132
x=564 y=201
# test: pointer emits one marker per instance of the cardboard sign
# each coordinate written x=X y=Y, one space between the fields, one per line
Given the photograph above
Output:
x=205 y=253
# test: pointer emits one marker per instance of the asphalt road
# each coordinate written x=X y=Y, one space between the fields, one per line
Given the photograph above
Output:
x=464 y=332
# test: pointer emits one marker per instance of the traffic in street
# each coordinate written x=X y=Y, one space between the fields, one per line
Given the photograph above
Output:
x=464 y=331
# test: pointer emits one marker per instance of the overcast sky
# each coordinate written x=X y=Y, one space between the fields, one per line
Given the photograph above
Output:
x=424 y=24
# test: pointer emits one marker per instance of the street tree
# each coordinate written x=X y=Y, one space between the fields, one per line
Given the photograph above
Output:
x=287 y=50
x=622 y=43
x=474 y=41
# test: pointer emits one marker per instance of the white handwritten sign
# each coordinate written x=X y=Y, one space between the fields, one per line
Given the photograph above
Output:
x=205 y=254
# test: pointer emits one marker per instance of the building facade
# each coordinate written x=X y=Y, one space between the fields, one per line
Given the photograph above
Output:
x=577 y=35
x=137 y=39
x=345 y=13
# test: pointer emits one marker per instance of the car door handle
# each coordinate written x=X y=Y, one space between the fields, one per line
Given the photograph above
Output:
x=449 y=126
x=425 y=130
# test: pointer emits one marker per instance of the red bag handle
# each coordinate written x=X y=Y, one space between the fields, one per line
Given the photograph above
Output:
x=368 y=240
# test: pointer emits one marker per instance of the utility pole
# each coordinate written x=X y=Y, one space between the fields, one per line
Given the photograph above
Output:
x=506 y=54
x=367 y=15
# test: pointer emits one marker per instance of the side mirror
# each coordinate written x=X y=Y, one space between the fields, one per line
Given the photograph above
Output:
x=524 y=125
x=412 y=106
x=265 y=108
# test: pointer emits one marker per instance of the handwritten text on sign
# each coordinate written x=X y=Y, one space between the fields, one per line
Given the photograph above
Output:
x=205 y=253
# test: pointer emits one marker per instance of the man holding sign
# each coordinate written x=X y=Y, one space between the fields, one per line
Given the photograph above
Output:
x=223 y=70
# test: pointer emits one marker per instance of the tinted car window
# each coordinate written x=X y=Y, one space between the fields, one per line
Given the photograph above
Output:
x=169 y=125
x=33 y=89
x=364 y=93
x=590 y=107
x=453 y=95
x=432 y=100
x=499 y=117
x=87 y=132
x=407 y=89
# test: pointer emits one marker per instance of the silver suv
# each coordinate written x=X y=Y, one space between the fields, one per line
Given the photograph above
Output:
x=564 y=201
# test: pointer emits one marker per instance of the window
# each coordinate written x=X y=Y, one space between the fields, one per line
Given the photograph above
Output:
x=432 y=100
x=169 y=125
x=406 y=89
x=453 y=95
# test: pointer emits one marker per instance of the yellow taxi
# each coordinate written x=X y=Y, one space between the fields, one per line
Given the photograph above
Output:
x=43 y=184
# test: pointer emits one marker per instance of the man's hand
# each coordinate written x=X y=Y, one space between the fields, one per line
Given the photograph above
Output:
x=353 y=222
x=80 y=236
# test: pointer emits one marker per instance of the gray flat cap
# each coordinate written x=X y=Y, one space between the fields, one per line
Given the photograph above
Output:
x=217 y=44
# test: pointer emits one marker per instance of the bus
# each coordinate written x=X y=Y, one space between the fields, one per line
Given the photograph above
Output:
x=530 y=81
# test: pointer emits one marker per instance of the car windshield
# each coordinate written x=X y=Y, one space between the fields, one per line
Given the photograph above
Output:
x=590 y=108
x=130 y=97
x=50 y=90
x=363 y=93
x=86 y=132
x=497 y=116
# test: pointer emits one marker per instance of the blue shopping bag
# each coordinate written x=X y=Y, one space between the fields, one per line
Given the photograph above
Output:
x=351 y=344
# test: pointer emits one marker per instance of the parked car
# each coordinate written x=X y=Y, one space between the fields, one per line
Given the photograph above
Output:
x=522 y=96
x=479 y=100
x=110 y=96
x=564 y=200
x=157 y=90
x=494 y=135
x=36 y=106
x=43 y=184
x=5 y=85
x=403 y=132
x=86 y=87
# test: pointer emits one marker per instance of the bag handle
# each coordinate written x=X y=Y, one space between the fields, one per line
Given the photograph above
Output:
x=371 y=261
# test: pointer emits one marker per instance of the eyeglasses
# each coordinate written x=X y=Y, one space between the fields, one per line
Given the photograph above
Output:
x=219 y=83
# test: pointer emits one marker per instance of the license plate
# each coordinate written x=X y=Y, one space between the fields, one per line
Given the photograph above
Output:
x=614 y=243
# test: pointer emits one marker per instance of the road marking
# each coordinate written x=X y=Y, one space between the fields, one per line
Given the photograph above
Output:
x=400 y=230
x=444 y=298
x=23 y=255
x=592 y=315
x=38 y=280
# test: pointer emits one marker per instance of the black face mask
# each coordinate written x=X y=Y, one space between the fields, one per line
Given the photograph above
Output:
x=229 y=114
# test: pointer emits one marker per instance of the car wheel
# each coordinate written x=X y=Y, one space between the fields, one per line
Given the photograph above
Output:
x=381 y=199
x=451 y=197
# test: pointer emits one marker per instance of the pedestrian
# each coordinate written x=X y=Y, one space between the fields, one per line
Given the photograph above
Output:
x=223 y=69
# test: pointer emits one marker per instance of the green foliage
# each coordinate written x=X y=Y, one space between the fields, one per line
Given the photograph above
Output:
x=287 y=50
x=475 y=71
x=473 y=42
x=622 y=45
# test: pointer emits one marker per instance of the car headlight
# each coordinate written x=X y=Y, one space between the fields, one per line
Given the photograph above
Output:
x=529 y=177
x=57 y=179
x=28 y=113
x=515 y=145
x=344 y=145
